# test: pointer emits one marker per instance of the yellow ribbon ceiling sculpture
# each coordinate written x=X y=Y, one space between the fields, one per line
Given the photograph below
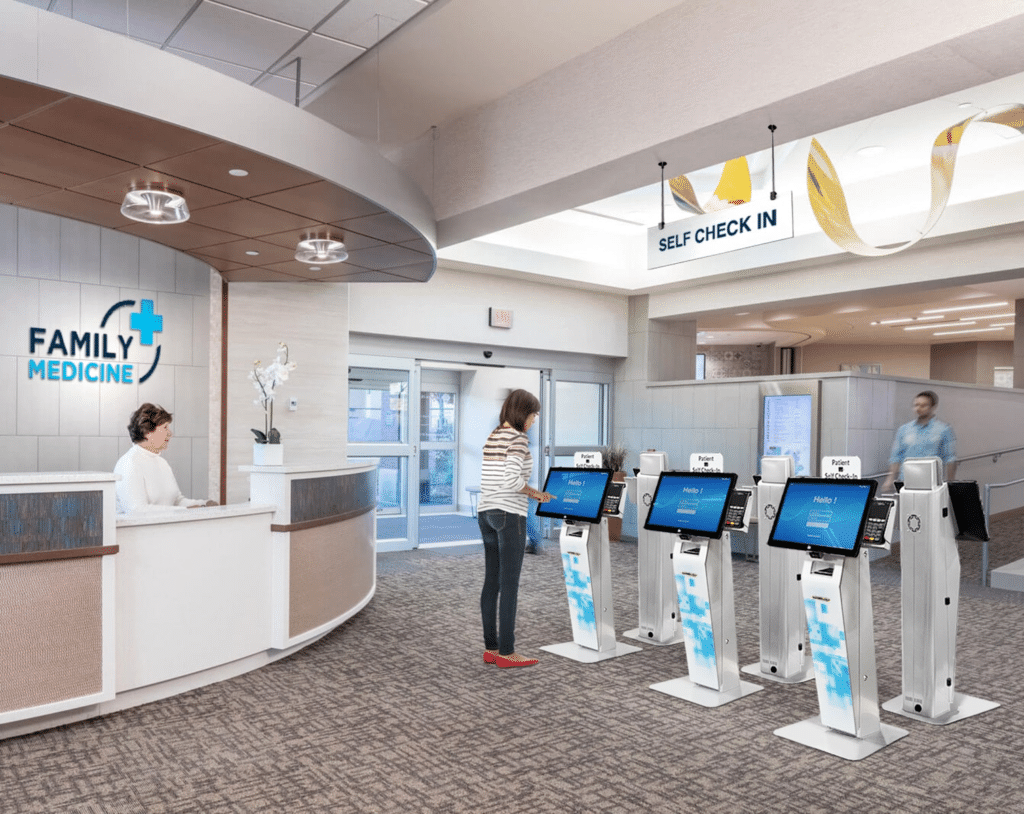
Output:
x=733 y=189
x=829 y=203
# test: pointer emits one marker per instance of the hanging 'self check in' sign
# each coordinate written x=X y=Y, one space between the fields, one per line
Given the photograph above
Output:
x=96 y=356
x=738 y=227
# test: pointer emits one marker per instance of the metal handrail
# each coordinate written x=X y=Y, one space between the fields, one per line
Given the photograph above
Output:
x=986 y=503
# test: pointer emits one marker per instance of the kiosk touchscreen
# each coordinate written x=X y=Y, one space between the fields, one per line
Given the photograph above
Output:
x=691 y=503
x=579 y=494
x=824 y=516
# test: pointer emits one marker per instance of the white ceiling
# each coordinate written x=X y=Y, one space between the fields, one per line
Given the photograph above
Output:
x=255 y=41
x=426 y=62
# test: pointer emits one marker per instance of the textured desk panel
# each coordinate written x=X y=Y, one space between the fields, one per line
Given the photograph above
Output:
x=50 y=521
x=52 y=643
x=334 y=496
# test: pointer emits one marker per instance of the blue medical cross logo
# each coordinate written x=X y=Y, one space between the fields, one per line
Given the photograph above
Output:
x=146 y=322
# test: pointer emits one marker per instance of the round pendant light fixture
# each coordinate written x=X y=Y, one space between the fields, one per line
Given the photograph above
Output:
x=155 y=206
x=321 y=251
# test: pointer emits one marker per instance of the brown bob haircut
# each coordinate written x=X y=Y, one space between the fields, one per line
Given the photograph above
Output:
x=146 y=419
x=519 y=405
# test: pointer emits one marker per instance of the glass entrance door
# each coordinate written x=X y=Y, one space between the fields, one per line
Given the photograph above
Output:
x=575 y=417
x=382 y=415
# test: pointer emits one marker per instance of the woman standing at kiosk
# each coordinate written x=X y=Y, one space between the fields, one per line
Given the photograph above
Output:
x=501 y=513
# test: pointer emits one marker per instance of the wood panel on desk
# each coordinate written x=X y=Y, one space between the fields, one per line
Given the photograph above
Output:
x=51 y=640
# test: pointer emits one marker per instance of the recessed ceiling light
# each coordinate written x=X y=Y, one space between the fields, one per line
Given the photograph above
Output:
x=966 y=307
x=965 y=105
x=238 y=173
x=972 y=331
x=252 y=253
x=935 y=325
x=873 y=149
x=314 y=268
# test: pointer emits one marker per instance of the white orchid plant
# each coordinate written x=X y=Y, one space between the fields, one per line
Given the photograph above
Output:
x=266 y=380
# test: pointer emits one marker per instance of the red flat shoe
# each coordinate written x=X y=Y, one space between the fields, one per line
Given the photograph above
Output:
x=514 y=660
x=490 y=656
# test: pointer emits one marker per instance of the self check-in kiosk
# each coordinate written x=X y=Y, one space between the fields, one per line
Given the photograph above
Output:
x=828 y=520
x=783 y=632
x=580 y=501
x=656 y=583
x=694 y=507
x=930 y=575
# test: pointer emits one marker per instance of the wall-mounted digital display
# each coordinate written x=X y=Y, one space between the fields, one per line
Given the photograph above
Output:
x=701 y=366
x=821 y=515
x=789 y=423
x=579 y=494
x=691 y=503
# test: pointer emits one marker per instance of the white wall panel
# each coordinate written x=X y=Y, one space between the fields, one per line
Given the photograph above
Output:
x=191 y=400
x=60 y=307
x=79 y=404
x=175 y=340
x=20 y=311
x=192 y=276
x=157 y=266
x=8 y=239
x=38 y=245
x=97 y=454
x=39 y=408
x=58 y=454
x=79 y=251
x=119 y=259
x=19 y=453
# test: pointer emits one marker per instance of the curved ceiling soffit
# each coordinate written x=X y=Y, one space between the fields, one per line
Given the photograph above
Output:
x=827 y=199
x=313 y=178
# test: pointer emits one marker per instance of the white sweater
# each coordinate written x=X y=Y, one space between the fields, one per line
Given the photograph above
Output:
x=147 y=484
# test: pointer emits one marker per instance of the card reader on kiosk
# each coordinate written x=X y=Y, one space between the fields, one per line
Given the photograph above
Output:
x=827 y=520
x=930 y=579
x=656 y=586
x=784 y=657
x=694 y=507
x=581 y=499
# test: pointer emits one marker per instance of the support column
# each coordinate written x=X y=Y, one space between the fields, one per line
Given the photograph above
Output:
x=1018 y=345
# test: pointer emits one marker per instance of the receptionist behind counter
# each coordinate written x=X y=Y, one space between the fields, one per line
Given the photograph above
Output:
x=147 y=483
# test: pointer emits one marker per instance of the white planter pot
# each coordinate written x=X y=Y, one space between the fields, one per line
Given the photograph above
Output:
x=267 y=454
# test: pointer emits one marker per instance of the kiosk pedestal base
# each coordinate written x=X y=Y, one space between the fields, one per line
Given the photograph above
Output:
x=806 y=673
x=705 y=696
x=818 y=736
x=678 y=638
x=965 y=706
x=587 y=655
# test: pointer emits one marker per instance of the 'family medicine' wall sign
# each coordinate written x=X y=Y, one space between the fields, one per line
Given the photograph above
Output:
x=94 y=356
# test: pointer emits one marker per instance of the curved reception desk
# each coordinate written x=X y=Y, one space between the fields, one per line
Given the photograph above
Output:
x=105 y=612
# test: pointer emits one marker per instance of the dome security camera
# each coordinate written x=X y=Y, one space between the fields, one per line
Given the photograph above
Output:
x=488 y=354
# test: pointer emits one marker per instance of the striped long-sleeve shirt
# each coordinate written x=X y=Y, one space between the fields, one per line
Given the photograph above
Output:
x=506 y=469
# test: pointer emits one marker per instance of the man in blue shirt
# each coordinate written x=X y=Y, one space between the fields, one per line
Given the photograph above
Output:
x=924 y=437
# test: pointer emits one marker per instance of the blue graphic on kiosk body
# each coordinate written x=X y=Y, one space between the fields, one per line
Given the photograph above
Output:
x=581 y=596
x=817 y=514
x=95 y=356
x=694 y=504
x=695 y=615
x=828 y=650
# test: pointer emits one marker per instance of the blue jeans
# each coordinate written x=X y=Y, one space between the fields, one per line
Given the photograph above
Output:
x=504 y=536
